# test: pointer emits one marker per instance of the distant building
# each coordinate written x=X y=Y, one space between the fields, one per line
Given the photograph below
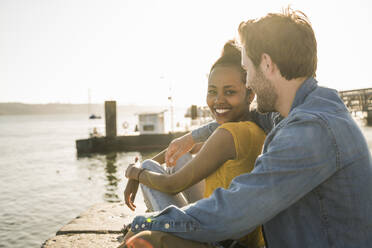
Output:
x=151 y=123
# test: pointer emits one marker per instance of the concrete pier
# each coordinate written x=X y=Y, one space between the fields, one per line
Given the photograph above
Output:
x=99 y=226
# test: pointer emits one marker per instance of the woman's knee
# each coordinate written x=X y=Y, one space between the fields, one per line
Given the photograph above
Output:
x=152 y=165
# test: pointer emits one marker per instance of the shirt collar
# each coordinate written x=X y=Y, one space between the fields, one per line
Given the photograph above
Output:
x=307 y=86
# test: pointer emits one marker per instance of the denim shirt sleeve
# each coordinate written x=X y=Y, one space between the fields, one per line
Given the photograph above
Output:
x=265 y=121
x=202 y=133
x=302 y=155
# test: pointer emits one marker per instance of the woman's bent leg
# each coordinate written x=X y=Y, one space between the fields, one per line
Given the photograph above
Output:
x=195 y=192
x=154 y=199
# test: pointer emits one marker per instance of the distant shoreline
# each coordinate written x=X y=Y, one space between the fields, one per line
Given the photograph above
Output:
x=15 y=108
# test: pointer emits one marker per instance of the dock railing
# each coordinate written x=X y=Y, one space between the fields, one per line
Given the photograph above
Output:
x=359 y=100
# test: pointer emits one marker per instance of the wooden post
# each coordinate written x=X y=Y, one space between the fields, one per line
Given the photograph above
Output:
x=110 y=117
x=194 y=112
x=369 y=118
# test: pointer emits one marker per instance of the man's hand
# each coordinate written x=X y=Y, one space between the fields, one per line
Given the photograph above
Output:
x=177 y=148
x=126 y=238
x=130 y=193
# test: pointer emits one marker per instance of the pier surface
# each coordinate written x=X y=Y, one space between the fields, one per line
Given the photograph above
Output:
x=99 y=226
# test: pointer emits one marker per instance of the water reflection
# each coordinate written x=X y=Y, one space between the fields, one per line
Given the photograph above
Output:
x=114 y=172
x=112 y=180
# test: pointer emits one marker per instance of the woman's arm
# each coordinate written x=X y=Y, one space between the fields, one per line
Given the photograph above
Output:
x=177 y=148
x=196 y=148
x=217 y=150
x=160 y=157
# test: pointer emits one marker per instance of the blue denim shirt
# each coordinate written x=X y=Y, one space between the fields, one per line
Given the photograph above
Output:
x=311 y=187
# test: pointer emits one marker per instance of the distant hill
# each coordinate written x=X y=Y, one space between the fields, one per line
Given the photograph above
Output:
x=61 y=108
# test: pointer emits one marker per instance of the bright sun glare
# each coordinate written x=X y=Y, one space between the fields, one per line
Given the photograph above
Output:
x=140 y=52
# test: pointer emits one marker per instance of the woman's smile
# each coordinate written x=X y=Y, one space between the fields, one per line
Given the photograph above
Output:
x=222 y=111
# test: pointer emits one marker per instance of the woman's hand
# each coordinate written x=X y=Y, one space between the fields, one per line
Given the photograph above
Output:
x=131 y=189
x=130 y=193
x=177 y=148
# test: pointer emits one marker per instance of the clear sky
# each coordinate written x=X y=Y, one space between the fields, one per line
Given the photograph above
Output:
x=137 y=51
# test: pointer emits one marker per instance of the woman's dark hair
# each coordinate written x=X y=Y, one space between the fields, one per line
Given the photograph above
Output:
x=231 y=56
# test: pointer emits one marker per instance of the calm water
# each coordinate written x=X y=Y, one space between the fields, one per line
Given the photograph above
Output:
x=43 y=184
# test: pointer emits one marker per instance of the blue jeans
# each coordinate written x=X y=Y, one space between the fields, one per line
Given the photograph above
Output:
x=156 y=200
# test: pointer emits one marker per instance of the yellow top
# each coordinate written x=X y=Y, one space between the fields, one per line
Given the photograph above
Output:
x=248 y=140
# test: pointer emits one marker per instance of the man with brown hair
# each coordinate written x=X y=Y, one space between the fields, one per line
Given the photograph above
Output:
x=312 y=185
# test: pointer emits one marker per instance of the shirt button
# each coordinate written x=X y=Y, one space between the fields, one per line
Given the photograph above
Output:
x=136 y=226
x=143 y=226
x=166 y=226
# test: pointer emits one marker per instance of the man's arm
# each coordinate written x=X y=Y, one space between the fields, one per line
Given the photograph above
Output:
x=202 y=133
x=181 y=145
x=300 y=157
x=264 y=121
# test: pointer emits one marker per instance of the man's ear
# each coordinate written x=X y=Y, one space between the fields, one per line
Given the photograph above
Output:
x=249 y=96
x=267 y=65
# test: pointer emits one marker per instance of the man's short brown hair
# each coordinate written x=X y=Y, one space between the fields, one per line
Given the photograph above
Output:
x=287 y=38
